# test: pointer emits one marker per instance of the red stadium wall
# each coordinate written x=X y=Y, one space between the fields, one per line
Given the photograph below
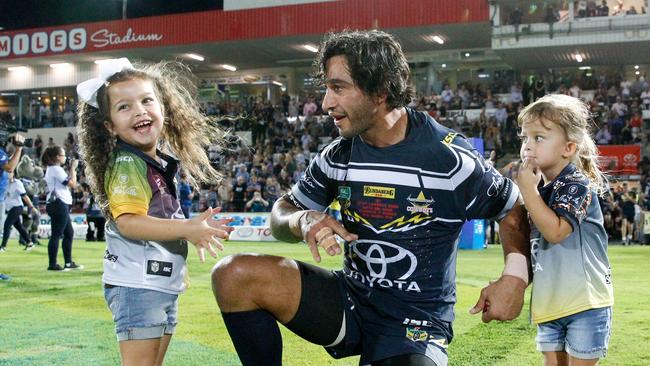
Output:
x=216 y=26
x=619 y=159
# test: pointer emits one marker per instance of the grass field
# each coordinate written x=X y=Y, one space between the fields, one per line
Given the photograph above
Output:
x=61 y=319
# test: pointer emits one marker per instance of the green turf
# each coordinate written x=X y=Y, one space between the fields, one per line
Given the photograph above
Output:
x=61 y=319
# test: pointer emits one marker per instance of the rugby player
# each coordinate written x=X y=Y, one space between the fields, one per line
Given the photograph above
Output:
x=405 y=185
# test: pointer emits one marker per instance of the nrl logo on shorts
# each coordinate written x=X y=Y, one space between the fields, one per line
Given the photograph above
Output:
x=415 y=334
x=420 y=204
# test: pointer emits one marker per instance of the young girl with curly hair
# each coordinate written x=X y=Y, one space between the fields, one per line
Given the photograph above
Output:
x=137 y=126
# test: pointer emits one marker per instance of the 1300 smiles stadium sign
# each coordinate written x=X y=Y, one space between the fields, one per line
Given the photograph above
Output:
x=66 y=41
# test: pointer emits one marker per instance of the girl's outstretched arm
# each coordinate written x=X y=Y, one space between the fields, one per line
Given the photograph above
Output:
x=203 y=231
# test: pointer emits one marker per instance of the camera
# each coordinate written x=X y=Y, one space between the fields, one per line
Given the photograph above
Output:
x=28 y=142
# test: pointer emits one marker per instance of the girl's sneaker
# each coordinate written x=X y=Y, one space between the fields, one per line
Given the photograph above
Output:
x=56 y=267
x=29 y=246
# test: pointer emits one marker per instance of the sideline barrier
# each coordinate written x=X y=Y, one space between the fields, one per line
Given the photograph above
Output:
x=252 y=233
x=249 y=226
x=79 y=225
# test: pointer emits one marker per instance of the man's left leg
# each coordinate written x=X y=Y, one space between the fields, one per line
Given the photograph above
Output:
x=253 y=291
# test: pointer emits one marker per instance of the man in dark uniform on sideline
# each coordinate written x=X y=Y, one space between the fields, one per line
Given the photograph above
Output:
x=405 y=185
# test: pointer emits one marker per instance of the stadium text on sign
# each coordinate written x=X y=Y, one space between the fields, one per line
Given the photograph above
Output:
x=75 y=39
x=41 y=42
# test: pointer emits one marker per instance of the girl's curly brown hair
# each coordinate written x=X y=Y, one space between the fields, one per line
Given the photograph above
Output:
x=186 y=131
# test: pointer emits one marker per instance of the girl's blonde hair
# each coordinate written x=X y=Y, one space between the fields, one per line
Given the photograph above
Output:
x=574 y=117
x=186 y=132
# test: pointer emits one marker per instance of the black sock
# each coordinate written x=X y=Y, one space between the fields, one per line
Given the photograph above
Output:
x=256 y=337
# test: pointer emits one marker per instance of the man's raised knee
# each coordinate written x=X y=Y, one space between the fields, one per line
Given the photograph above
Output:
x=229 y=269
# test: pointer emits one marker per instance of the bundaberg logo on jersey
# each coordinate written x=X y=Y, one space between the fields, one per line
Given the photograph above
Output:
x=383 y=264
x=379 y=192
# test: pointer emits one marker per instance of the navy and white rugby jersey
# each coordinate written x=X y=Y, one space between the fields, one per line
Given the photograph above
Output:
x=407 y=202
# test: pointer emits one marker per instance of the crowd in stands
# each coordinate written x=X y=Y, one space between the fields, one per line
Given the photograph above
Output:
x=581 y=9
x=284 y=137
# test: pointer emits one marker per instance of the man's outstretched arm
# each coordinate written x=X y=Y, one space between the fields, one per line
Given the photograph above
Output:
x=503 y=299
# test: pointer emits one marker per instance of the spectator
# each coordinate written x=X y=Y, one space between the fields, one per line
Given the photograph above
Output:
x=212 y=199
x=257 y=203
x=628 y=201
x=16 y=196
x=293 y=108
x=626 y=133
x=645 y=97
x=95 y=219
x=59 y=200
x=516 y=17
x=69 y=144
x=238 y=198
x=241 y=172
x=272 y=190
x=575 y=90
x=615 y=126
x=582 y=9
x=38 y=147
x=550 y=18
x=447 y=94
x=225 y=195
x=309 y=108
x=603 y=137
x=501 y=114
x=636 y=122
x=253 y=186
x=603 y=9
x=8 y=164
x=285 y=103
x=539 y=89
x=185 y=195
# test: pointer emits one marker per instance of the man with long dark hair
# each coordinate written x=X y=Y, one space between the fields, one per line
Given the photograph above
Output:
x=405 y=185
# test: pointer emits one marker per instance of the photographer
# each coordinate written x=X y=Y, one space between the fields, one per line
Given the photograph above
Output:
x=257 y=203
x=8 y=165
x=59 y=200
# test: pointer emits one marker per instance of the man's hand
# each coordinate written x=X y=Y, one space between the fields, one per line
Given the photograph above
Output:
x=318 y=230
x=501 y=300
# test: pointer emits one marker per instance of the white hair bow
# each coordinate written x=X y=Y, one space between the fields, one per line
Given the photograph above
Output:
x=87 y=90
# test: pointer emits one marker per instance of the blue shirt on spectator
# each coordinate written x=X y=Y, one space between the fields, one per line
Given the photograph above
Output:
x=4 y=178
x=184 y=193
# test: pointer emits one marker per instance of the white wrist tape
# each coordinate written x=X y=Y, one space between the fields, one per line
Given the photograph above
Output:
x=294 y=222
x=516 y=265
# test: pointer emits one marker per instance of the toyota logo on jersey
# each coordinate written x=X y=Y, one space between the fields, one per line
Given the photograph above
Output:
x=383 y=264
